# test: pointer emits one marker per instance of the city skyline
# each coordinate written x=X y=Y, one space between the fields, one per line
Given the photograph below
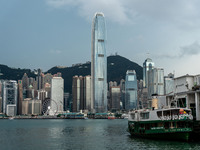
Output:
x=49 y=31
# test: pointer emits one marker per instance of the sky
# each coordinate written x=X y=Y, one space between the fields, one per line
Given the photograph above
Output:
x=46 y=33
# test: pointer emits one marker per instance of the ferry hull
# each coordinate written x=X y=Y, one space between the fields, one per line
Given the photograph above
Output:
x=178 y=136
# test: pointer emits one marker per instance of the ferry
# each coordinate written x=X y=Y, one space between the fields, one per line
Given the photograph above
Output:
x=111 y=116
x=165 y=123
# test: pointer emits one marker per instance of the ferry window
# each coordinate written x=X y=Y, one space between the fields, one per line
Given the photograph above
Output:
x=181 y=102
x=133 y=116
x=159 y=113
x=175 y=112
x=144 y=115
x=166 y=113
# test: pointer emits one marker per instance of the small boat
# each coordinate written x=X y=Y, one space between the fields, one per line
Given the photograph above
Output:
x=111 y=116
x=86 y=118
x=11 y=118
x=165 y=123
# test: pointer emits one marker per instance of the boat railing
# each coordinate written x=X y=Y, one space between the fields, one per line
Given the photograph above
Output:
x=177 y=117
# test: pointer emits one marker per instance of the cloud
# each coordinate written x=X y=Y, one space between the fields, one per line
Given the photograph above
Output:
x=113 y=9
x=188 y=50
x=181 y=12
x=55 y=51
x=192 y=49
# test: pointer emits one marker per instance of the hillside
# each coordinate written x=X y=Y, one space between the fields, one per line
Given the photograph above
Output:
x=14 y=73
x=117 y=67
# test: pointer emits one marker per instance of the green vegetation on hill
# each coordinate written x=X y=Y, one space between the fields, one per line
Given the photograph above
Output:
x=7 y=73
x=117 y=67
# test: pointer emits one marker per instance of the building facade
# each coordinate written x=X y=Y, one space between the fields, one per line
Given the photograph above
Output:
x=115 y=94
x=76 y=93
x=57 y=95
x=130 y=90
x=9 y=95
x=99 y=64
x=147 y=65
x=155 y=82
x=87 y=93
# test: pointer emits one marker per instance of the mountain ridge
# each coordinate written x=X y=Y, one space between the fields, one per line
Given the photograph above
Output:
x=116 y=70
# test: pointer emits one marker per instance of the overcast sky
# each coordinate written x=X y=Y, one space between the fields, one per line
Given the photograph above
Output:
x=46 y=33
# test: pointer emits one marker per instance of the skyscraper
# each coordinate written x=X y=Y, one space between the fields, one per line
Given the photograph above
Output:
x=87 y=93
x=99 y=64
x=57 y=95
x=76 y=93
x=155 y=82
x=131 y=90
x=10 y=97
x=147 y=65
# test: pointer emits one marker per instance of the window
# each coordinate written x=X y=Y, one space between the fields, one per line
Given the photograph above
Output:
x=100 y=40
x=100 y=79
x=133 y=116
x=159 y=114
x=144 y=115
x=100 y=55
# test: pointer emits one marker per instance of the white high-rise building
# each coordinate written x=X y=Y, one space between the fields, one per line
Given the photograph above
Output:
x=99 y=64
x=9 y=97
x=87 y=93
x=57 y=95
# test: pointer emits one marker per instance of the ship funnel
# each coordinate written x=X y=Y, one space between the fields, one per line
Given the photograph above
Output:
x=154 y=103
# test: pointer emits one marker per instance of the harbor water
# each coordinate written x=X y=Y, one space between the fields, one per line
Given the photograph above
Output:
x=80 y=134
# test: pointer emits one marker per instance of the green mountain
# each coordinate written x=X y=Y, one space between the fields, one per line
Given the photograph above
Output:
x=7 y=73
x=117 y=67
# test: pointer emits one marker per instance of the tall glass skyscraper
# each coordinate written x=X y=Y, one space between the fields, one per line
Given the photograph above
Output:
x=99 y=64
x=131 y=90
x=147 y=65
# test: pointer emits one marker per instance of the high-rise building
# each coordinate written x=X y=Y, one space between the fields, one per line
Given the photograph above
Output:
x=130 y=90
x=0 y=104
x=122 y=99
x=31 y=107
x=9 y=97
x=87 y=93
x=147 y=65
x=25 y=81
x=1 y=110
x=99 y=64
x=57 y=95
x=155 y=82
x=40 y=79
x=76 y=93
x=169 y=84
x=20 y=96
x=66 y=101
x=115 y=98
